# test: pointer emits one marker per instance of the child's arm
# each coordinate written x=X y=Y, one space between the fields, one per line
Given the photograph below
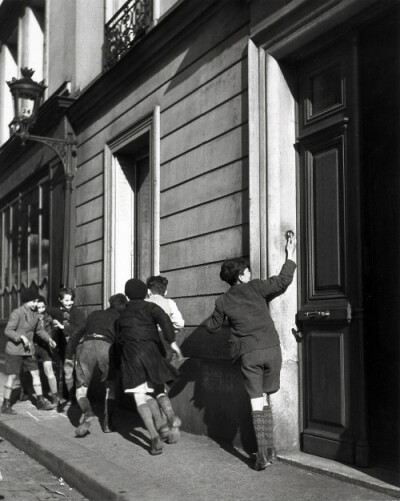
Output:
x=42 y=333
x=277 y=285
x=176 y=316
x=163 y=320
x=74 y=341
x=11 y=329
x=215 y=321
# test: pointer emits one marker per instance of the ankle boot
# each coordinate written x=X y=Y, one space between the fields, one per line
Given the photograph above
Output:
x=259 y=423
x=43 y=405
x=108 y=425
x=83 y=428
x=6 y=407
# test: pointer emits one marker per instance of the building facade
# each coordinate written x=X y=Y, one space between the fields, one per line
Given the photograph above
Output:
x=206 y=130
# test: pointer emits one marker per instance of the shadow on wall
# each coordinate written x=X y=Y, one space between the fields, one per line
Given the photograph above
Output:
x=210 y=396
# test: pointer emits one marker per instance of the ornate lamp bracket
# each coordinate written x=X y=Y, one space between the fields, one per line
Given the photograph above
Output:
x=65 y=148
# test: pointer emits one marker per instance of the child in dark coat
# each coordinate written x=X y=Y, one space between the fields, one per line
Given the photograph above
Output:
x=144 y=368
x=254 y=340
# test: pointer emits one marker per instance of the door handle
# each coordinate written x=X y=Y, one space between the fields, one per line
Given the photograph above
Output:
x=317 y=315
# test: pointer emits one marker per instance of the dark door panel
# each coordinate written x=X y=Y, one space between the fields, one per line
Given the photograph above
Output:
x=326 y=143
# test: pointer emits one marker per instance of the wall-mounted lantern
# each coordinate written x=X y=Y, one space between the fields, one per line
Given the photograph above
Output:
x=28 y=97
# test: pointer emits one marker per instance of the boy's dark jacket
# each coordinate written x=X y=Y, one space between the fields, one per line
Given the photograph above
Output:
x=101 y=322
x=244 y=306
x=139 y=321
x=72 y=319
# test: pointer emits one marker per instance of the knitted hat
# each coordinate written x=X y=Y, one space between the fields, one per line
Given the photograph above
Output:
x=135 y=289
x=28 y=295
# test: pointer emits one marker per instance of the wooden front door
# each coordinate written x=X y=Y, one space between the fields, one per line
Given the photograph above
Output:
x=330 y=313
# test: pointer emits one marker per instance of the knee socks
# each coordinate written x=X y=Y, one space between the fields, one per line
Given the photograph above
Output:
x=166 y=406
x=260 y=425
x=147 y=418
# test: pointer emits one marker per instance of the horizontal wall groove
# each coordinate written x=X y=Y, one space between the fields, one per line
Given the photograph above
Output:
x=87 y=181
x=89 y=200
x=192 y=266
x=89 y=285
x=186 y=239
x=214 y=77
x=88 y=263
x=204 y=173
x=207 y=202
x=88 y=222
x=77 y=246
x=198 y=146
x=197 y=117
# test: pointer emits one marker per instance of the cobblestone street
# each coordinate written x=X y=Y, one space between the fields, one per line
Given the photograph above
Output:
x=24 y=479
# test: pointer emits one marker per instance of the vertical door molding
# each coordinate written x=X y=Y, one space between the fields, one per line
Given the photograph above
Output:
x=272 y=211
x=255 y=215
x=281 y=203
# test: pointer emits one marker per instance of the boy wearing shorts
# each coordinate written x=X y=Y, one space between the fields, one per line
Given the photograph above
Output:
x=254 y=340
x=20 y=349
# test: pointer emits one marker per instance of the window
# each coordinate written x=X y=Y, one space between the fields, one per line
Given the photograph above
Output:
x=24 y=249
x=131 y=243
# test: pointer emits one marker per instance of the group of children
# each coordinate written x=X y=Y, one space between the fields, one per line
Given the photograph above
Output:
x=135 y=337
x=135 y=334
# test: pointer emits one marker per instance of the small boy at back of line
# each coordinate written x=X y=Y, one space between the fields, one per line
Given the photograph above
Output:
x=156 y=292
x=254 y=340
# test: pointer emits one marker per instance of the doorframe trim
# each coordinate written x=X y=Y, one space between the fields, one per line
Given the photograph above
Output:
x=148 y=124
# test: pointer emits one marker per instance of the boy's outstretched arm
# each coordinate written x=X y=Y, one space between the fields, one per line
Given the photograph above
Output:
x=214 y=322
x=291 y=248
x=277 y=285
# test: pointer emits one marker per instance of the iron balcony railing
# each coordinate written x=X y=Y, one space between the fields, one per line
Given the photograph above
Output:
x=125 y=28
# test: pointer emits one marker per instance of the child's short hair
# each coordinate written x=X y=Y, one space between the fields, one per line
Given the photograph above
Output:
x=118 y=302
x=64 y=291
x=157 y=284
x=232 y=268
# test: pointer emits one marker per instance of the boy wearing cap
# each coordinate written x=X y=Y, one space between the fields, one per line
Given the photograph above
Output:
x=20 y=349
x=143 y=366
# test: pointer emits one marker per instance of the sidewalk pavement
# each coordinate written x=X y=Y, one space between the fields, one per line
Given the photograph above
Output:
x=118 y=466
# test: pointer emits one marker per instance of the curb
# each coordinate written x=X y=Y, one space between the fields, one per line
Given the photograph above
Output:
x=82 y=470
x=339 y=471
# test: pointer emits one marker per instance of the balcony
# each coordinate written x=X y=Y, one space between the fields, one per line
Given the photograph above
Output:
x=125 y=28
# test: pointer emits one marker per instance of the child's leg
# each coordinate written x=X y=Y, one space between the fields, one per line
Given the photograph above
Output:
x=51 y=378
x=37 y=386
x=252 y=366
x=159 y=420
x=147 y=418
x=270 y=429
x=173 y=420
x=109 y=406
x=84 y=404
x=8 y=386
x=6 y=407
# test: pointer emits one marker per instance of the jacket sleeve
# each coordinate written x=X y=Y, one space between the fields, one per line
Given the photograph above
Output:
x=41 y=331
x=276 y=285
x=77 y=318
x=214 y=322
x=163 y=320
x=176 y=316
x=74 y=341
x=12 y=326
